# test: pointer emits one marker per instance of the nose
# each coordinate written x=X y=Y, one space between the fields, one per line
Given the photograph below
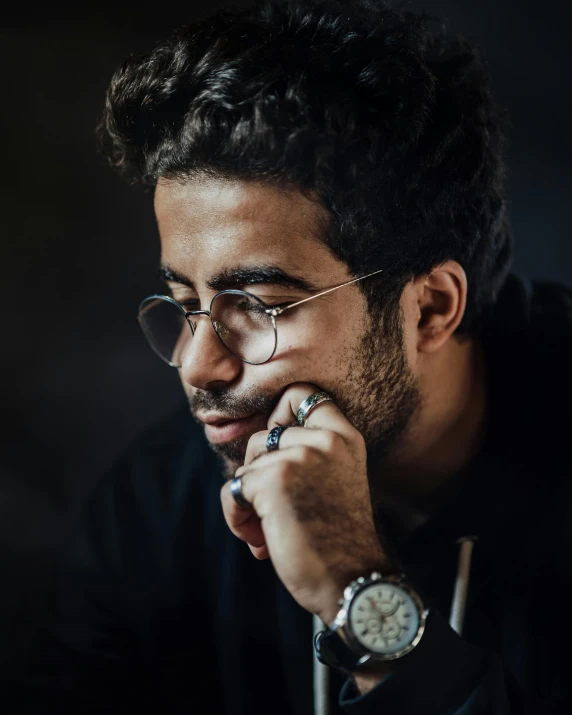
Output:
x=207 y=364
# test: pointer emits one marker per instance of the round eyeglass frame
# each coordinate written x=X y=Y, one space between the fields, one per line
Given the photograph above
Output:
x=270 y=311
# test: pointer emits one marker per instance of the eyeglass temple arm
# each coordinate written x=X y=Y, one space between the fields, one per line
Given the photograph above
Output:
x=274 y=312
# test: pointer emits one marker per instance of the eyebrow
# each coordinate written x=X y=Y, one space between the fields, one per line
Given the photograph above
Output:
x=243 y=276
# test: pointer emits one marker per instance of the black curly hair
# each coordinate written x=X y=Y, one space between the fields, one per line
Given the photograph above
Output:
x=368 y=108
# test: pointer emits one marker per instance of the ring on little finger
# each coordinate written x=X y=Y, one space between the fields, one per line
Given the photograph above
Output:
x=237 y=495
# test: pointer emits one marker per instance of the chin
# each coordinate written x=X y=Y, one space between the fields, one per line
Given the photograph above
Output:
x=231 y=454
x=229 y=468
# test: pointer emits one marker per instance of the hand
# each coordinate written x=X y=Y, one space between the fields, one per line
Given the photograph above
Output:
x=311 y=510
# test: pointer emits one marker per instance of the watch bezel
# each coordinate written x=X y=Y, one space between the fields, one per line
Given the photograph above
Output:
x=343 y=623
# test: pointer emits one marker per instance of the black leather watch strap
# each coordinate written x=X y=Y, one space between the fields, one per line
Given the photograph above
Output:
x=332 y=650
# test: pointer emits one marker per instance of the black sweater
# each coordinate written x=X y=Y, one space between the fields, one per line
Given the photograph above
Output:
x=160 y=609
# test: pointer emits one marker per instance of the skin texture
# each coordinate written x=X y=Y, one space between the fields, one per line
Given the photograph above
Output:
x=409 y=404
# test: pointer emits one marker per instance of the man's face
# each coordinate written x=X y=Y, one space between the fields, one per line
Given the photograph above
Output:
x=210 y=231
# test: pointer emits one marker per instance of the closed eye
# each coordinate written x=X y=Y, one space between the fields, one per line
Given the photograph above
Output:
x=190 y=303
x=270 y=304
x=282 y=306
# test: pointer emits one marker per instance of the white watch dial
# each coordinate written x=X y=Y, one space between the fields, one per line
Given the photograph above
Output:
x=384 y=618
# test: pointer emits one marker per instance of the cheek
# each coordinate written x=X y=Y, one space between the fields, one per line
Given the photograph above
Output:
x=333 y=355
x=320 y=350
x=318 y=330
x=311 y=348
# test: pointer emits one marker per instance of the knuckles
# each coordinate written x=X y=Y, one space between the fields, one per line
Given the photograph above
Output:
x=298 y=460
x=357 y=442
x=256 y=446
x=332 y=441
x=305 y=454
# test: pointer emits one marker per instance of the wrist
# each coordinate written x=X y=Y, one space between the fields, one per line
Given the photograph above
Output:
x=364 y=682
x=372 y=673
x=381 y=620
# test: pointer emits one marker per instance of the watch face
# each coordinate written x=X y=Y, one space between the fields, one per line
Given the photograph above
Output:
x=384 y=618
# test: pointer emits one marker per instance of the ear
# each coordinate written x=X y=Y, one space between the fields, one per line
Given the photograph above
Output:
x=441 y=302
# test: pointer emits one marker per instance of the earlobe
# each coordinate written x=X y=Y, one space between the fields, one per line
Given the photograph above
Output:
x=442 y=297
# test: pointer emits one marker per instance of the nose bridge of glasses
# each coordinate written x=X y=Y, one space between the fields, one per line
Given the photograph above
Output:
x=193 y=323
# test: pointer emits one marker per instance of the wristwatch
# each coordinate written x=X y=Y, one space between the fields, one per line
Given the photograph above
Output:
x=381 y=619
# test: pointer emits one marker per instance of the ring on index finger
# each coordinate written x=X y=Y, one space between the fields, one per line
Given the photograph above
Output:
x=274 y=437
x=308 y=405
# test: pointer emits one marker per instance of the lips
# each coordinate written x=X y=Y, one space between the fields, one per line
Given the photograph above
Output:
x=221 y=428
x=214 y=419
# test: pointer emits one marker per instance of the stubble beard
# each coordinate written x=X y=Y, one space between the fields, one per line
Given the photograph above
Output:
x=379 y=396
x=252 y=402
x=382 y=404
x=382 y=393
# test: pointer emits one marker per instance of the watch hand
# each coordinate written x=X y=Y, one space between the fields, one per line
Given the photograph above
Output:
x=376 y=608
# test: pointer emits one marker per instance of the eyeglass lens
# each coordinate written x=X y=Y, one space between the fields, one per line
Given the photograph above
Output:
x=238 y=318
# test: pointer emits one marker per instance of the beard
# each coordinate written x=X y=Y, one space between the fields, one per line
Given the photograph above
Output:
x=379 y=395
x=251 y=402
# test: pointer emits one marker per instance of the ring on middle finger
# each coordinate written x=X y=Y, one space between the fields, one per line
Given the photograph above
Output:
x=274 y=437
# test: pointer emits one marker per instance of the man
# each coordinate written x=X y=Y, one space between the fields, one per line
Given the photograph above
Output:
x=376 y=396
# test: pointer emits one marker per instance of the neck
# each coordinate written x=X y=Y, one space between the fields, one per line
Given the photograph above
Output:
x=445 y=433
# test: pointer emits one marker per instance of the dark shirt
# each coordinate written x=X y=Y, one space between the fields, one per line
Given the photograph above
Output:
x=159 y=608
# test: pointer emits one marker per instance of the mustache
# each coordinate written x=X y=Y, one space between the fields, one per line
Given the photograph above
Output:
x=234 y=405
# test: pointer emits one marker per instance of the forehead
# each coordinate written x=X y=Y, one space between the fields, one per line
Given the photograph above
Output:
x=207 y=225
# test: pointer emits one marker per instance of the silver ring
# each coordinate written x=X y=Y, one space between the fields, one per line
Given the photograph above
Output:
x=308 y=405
x=236 y=492
x=274 y=437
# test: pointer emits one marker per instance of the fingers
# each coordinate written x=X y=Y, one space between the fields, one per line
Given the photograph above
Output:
x=326 y=415
x=325 y=440
x=260 y=484
x=329 y=436
x=325 y=422
x=243 y=523
x=260 y=552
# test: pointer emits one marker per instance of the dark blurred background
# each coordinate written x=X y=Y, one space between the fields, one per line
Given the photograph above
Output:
x=79 y=247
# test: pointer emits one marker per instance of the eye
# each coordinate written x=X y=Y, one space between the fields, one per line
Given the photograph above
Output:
x=252 y=307
x=281 y=306
x=271 y=303
x=189 y=303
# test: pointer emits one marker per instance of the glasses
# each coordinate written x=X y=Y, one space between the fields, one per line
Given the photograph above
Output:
x=244 y=324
